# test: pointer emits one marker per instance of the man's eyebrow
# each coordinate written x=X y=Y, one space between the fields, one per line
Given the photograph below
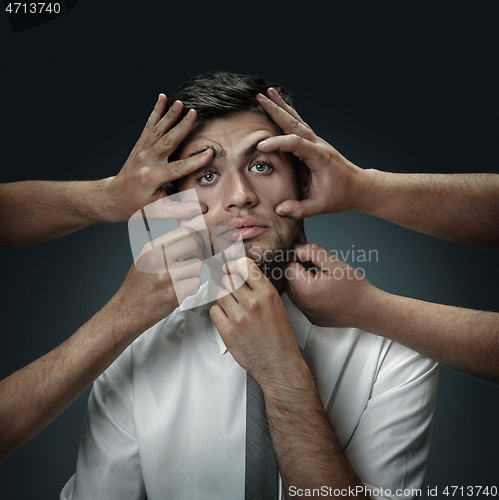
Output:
x=220 y=153
x=217 y=153
x=252 y=148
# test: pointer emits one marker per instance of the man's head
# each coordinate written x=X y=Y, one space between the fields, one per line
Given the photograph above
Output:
x=240 y=185
x=217 y=94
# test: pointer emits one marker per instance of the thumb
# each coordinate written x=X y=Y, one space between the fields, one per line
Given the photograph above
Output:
x=299 y=209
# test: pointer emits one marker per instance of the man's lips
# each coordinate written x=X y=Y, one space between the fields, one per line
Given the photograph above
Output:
x=244 y=228
x=245 y=232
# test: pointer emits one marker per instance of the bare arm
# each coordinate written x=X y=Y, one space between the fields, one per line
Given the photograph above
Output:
x=306 y=448
x=34 y=396
x=254 y=325
x=463 y=208
x=463 y=339
x=34 y=211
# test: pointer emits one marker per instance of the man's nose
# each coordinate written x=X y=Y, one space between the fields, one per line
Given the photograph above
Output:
x=239 y=193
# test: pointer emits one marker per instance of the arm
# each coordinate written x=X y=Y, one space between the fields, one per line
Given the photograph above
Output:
x=254 y=325
x=339 y=296
x=461 y=208
x=34 y=396
x=34 y=211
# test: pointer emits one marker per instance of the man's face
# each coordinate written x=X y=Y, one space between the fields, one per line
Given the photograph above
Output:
x=242 y=186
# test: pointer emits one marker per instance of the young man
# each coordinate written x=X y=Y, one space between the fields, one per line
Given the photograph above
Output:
x=348 y=411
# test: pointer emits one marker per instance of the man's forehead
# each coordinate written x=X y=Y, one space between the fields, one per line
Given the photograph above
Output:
x=238 y=133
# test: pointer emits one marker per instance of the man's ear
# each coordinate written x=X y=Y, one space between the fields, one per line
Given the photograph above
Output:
x=303 y=179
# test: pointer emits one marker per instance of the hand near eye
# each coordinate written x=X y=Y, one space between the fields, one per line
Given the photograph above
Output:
x=334 y=178
x=139 y=182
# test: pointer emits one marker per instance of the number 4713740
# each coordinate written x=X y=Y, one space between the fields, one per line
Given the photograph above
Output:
x=470 y=491
x=33 y=8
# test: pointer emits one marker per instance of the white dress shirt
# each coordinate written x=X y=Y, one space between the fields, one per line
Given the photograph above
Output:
x=168 y=418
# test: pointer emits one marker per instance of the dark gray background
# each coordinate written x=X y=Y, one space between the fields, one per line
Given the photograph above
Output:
x=401 y=86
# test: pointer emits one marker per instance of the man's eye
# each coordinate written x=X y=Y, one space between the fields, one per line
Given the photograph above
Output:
x=261 y=168
x=207 y=178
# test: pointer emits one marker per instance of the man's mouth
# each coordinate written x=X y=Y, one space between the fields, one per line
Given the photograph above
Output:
x=244 y=228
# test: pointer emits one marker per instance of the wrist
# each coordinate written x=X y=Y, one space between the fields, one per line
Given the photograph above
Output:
x=371 y=184
x=372 y=307
x=107 y=201
x=294 y=376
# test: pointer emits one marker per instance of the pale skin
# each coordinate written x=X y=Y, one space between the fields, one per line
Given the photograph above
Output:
x=460 y=208
x=252 y=320
x=34 y=396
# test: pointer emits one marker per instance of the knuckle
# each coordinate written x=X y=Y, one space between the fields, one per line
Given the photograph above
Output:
x=144 y=175
x=166 y=141
x=253 y=305
x=142 y=156
x=177 y=167
x=239 y=318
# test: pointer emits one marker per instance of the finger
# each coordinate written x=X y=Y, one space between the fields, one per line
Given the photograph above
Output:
x=300 y=209
x=247 y=270
x=157 y=131
x=185 y=288
x=226 y=300
x=183 y=249
x=157 y=112
x=165 y=209
x=181 y=168
x=168 y=238
x=219 y=317
x=297 y=280
x=311 y=153
x=289 y=124
x=169 y=142
x=189 y=268
x=273 y=95
x=316 y=254
x=232 y=282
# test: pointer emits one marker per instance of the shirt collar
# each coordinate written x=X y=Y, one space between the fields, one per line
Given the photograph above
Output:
x=299 y=323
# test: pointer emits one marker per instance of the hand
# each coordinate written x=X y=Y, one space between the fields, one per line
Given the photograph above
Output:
x=334 y=179
x=333 y=294
x=140 y=181
x=253 y=323
x=166 y=272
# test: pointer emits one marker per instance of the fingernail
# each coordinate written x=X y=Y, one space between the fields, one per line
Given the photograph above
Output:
x=176 y=106
x=262 y=97
x=274 y=92
x=261 y=144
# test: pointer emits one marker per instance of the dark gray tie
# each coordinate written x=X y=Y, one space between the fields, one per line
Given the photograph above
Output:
x=261 y=465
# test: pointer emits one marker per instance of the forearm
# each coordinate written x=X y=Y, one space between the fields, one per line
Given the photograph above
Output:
x=463 y=208
x=463 y=339
x=34 y=211
x=306 y=449
x=31 y=398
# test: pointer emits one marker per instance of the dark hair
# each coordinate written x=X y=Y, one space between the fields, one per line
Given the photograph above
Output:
x=218 y=94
